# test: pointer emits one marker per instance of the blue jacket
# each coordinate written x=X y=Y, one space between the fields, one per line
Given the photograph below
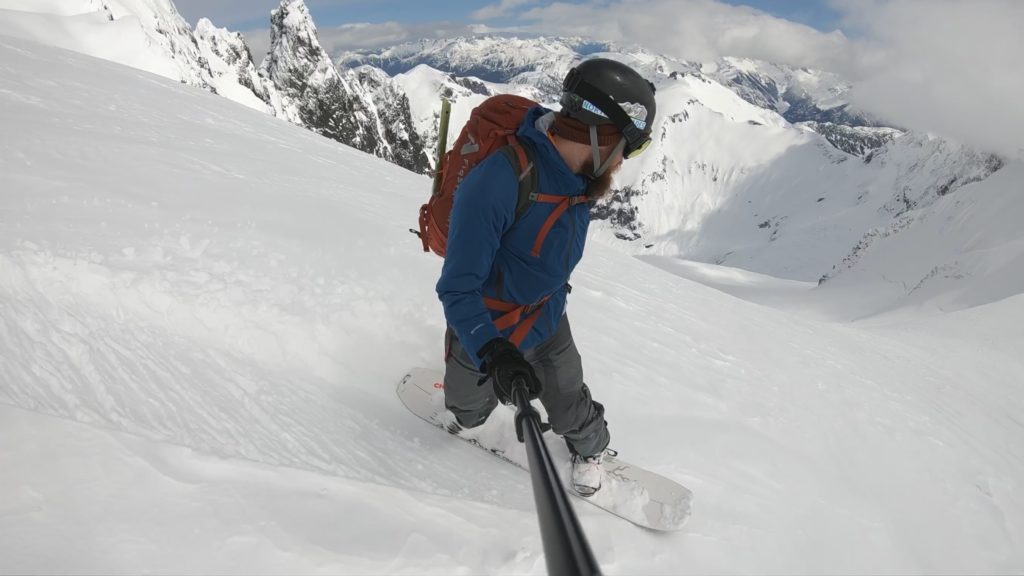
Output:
x=487 y=244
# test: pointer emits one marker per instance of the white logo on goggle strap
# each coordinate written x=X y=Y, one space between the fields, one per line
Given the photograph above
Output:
x=636 y=112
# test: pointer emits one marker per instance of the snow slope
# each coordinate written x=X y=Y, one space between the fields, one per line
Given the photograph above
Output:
x=730 y=183
x=146 y=34
x=204 y=313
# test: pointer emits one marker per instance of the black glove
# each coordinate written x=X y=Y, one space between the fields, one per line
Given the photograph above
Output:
x=503 y=363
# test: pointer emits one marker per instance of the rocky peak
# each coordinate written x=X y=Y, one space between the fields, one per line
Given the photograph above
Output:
x=404 y=142
x=231 y=63
x=296 y=61
x=360 y=108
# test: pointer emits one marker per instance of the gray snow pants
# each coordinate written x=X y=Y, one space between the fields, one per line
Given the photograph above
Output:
x=572 y=413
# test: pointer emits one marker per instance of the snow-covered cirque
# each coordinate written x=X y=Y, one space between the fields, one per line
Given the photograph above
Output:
x=204 y=312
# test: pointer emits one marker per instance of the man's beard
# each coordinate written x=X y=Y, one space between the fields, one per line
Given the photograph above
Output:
x=598 y=188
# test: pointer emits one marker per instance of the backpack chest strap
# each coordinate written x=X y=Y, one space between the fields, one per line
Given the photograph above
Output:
x=563 y=203
x=529 y=184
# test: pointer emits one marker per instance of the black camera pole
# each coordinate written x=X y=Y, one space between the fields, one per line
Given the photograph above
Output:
x=566 y=549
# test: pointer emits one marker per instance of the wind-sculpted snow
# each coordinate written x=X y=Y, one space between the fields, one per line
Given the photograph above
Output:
x=204 y=313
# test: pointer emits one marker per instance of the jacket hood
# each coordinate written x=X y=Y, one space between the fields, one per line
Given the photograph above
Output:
x=560 y=179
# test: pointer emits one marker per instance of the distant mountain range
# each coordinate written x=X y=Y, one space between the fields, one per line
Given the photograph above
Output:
x=757 y=165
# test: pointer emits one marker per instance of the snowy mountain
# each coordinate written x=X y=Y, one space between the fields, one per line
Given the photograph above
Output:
x=311 y=92
x=232 y=65
x=731 y=181
x=296 y=81
x=727 y=181
x=811 y=98
x=497 y=59
x=859 y=141
x=147 y=34
x=404 y=145
x=950 y=200
x=204 y=312
x=800 y=95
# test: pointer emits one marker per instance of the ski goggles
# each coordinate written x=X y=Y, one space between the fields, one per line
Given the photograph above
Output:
x=584 y=96
x=640 y=123
x=628 y=152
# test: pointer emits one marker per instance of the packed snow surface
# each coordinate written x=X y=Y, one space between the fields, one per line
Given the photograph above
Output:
x=204 y=313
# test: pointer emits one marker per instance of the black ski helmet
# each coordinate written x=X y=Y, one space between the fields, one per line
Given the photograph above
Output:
x=602 y=91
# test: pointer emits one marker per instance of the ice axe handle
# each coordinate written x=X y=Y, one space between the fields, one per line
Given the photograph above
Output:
x=442 y=144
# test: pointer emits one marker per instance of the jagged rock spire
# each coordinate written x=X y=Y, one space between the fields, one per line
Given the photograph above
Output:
x=232 y=65
x=310 y=91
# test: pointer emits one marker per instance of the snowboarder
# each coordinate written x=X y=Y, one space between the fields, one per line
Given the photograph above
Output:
x=505 y=278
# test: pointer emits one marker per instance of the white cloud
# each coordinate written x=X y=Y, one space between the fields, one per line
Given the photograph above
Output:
x=946 y=66
x=698 y=30
x=499 y=10
x=338 y=39
x=385 y=34
x=950 y=67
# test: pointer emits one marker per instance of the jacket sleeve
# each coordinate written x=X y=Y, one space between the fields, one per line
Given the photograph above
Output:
x=484 y=210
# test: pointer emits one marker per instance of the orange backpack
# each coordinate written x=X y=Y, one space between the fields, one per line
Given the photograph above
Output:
x=491 y=128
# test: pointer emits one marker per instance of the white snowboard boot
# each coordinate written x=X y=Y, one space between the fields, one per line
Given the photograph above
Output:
x=587 y=473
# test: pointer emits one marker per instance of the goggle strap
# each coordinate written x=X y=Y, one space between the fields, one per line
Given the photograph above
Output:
x=611 y=109
x=607 y=163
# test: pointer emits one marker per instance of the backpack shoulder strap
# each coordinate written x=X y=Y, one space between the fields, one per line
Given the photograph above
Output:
x=521 y=159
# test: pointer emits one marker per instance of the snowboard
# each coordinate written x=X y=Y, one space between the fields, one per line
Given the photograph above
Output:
x=628 y=491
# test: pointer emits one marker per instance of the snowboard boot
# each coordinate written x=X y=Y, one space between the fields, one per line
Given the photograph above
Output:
x=453 y=425
x=588 y=472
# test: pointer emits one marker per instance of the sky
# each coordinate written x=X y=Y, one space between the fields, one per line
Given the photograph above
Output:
x=254 y=14
x=945 y=66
